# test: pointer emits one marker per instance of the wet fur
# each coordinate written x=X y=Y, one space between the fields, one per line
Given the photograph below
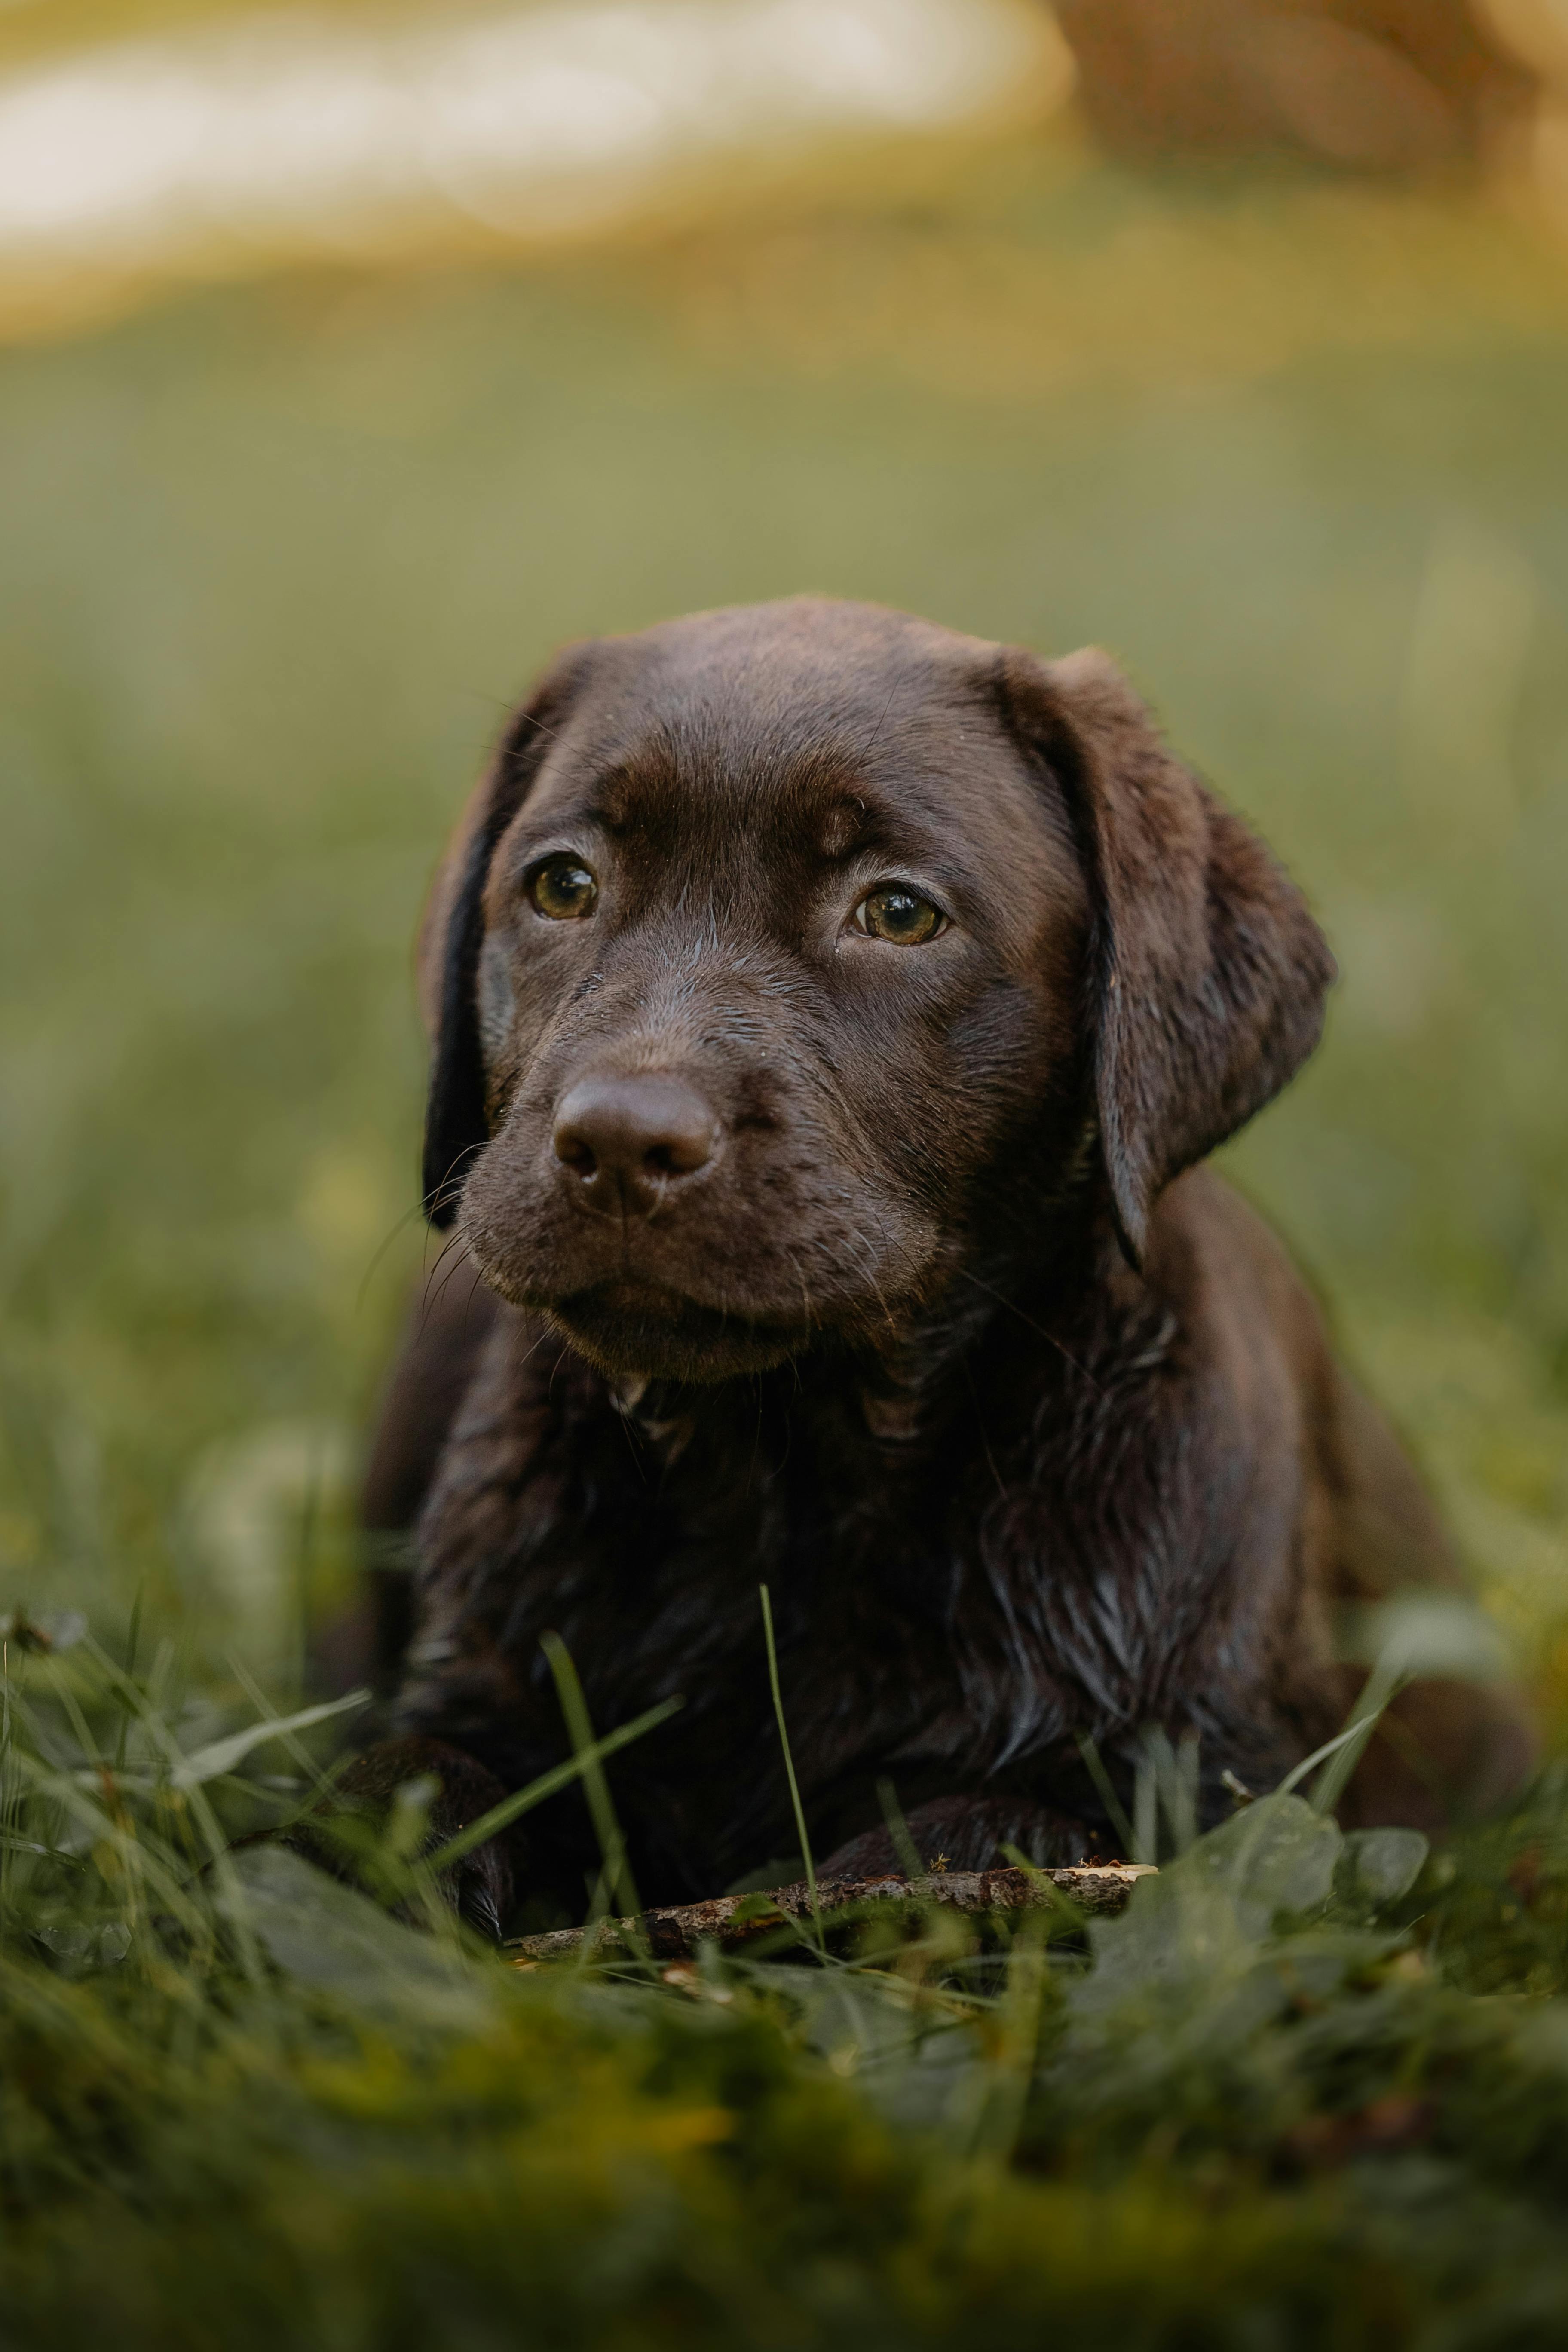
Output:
x=1031 y=1433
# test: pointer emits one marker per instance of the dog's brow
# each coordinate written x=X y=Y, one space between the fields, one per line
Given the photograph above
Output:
x=622 y=794
x=842 y=828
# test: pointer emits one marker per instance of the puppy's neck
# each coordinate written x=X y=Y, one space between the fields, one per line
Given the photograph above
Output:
x=903 y=1390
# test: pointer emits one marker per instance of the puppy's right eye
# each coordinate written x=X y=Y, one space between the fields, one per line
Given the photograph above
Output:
x=899 y=915
x=563 y=889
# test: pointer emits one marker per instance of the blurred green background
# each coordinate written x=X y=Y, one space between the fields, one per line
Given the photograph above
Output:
x=276 y=556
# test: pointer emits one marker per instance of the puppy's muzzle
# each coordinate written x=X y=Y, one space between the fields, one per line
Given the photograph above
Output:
x=624 y=1147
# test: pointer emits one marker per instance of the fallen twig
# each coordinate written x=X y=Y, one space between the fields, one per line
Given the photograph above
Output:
x=731 y=1919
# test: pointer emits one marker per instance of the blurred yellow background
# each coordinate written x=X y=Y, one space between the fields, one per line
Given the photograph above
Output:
x=352 y=360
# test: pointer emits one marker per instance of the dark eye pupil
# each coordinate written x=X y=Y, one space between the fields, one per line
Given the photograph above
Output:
x=563 y=889
x=900 y=916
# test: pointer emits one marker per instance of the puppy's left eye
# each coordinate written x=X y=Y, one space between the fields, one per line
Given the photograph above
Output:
x=563 y=889
x=899 y=915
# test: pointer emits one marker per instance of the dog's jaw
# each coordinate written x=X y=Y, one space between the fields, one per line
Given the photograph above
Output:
x=633 y=1333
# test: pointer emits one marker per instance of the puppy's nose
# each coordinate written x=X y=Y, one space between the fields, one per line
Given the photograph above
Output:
x=627 y=1140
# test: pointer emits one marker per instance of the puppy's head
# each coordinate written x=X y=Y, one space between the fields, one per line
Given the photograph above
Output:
x=788 y=955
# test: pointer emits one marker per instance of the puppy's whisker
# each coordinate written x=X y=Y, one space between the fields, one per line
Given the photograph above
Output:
x=438 y=1282
x=414 y=1211
x=1013 y=1307
x=449 y=1248
x=528 y=718
x=804 y=1287
x=873 y=1279
x=867 y=747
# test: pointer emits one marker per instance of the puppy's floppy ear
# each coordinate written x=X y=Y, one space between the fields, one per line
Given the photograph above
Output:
x=457 y=1121
x=1207 y=974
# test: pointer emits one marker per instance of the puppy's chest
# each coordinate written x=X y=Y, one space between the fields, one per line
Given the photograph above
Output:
x=657 y=1564
x=905 y=1580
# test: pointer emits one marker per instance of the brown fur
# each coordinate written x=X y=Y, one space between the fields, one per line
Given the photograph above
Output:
x=1031 y=1432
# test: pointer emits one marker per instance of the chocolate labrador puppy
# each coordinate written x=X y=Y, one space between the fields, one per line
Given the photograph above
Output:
x=830 y=1013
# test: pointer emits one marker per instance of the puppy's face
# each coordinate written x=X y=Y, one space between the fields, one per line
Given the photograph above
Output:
x=792 y=954
x=777 y=985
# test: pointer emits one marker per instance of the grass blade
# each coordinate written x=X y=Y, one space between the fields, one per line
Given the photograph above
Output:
x=789 y=1762
x=1364 y=1725
x=617 y=1876
x=562 y=1776
x=899 y=1830
x=221 y=1756
x=1108 y=1796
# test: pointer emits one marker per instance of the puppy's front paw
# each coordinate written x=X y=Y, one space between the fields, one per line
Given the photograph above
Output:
x=964 y=1833
x=479 y=1886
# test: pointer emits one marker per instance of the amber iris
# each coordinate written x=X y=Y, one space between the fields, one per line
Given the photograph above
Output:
x=898 y=915
x=563 y=889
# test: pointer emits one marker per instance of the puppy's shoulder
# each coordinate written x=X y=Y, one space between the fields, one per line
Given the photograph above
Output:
x=1231 y=1279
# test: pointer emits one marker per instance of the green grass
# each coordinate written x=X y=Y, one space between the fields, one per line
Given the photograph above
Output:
x=273 y=562
x=1308 y=2090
